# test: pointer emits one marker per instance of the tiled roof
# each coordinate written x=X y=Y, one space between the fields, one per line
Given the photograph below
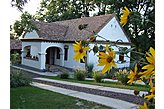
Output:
x=68 y=30
x=15 y=44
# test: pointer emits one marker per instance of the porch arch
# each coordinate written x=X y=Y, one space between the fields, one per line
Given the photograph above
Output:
x=54 y=56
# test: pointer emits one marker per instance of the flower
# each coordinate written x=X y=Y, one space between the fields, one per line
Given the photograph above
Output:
x=124 y=17
x=152 y=90
x=92 y=39
x=107 y=59
x=133 y=75
x=80 y=51
x=150 y=68
x=143 y=107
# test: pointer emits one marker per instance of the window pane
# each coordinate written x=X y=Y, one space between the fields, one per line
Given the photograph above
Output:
x=65 y=53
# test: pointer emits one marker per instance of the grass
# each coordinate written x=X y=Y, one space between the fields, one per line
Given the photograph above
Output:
x=35 y=98
x=107 y=84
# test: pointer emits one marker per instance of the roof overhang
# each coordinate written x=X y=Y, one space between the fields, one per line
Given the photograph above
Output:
x=61 y=41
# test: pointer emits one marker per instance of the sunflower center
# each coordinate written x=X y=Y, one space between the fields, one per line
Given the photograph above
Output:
x=109 y=59
x=81 y=50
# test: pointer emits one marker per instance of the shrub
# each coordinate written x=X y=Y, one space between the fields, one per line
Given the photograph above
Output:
x=90 y=70
x=111 y=74
x=18 y=79
x=15 y=58
x=122 y=76
x=80 y=75
x=98 y=76
x=64 y=75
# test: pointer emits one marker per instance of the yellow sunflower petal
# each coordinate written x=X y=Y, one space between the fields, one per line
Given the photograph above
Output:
x=135 y=68
x=149 y=97
x=152 y=51
x=150 y=59
x=102 y=60
x=106 y=68
x=114 y=64
x=149 y=66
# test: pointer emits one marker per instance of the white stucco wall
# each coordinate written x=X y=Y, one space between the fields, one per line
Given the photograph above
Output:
x=112 y=31
x=94 y=59
x=32 y=34
x=31 y=63
x=70 y=63
x=35 y=48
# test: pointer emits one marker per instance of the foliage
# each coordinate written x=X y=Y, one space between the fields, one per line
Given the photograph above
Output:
x=98 y=76
x=57 y=10
x=90 y=67
x=18 y=79
x=19 y=3
x=111 y=73
x=80 y=74
x=25 y=24
x=15 y=58
x=122 y=76
x=64 y=75
x=140 y=27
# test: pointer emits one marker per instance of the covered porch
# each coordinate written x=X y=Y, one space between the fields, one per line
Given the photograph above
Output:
x=41 y=54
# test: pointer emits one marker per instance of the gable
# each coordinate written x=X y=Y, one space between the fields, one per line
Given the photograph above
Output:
x=30 y=35
x=113 y=31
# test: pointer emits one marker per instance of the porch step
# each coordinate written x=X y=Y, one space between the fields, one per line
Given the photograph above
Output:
x=59 y=69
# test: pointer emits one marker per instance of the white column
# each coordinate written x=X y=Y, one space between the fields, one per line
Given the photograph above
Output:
x=61 y=59
x=42 y=60
x=22 y=56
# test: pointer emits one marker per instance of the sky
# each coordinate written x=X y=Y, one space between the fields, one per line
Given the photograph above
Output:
x=30 y=7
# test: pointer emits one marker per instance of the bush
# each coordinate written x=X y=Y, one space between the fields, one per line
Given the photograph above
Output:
x=64 y=75
x=90 y=70
x=18 y=79
x=111 y=74
x=15 y=58
x=80 y=75
x=122 y=76
x=98 y=76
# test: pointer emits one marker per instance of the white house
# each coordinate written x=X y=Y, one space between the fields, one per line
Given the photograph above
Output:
x=52 y=43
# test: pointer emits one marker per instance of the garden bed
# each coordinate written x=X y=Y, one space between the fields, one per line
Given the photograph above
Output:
x=120 y=96
x=106 y=84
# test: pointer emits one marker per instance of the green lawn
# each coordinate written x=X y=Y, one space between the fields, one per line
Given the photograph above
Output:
x=107 y=84
x=35 y=98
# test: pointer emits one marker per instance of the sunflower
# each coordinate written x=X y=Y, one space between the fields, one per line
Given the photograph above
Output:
x=143 y=107
x=150 y=68
x=107 y=59
x=80 y=51
x=133 y=75
x=124 y=17
x=152 y=90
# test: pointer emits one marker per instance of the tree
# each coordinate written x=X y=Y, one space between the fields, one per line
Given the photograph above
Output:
x=140 y=27
x=58 y=10
x=19 y=3
x=25 y=24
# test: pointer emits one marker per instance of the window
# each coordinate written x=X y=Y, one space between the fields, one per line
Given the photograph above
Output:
x=58 y=54
x=65 y=54
x=121 y=57
x=27 y=49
